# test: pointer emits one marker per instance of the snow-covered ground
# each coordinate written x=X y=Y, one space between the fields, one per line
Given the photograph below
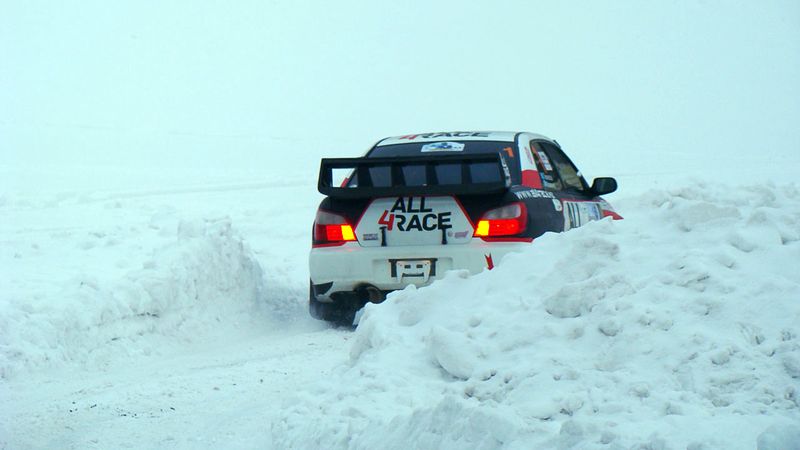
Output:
x=157 y=188
x=118 y=302
x=174 y=317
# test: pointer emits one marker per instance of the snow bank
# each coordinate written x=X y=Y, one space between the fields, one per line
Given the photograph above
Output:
x=780 y=438
x=678 y=327
x=205 y=283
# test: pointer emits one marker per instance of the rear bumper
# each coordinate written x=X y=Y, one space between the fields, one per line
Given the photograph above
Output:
x=349 y=267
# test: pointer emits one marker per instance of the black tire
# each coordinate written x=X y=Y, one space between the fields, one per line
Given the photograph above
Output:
x=335 y=313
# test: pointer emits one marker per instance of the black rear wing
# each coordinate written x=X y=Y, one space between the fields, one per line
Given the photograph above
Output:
x=416 y=175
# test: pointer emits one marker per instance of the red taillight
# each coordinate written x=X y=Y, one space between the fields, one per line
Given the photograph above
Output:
x=508 y=220
x=330 y=228
x=334 y=233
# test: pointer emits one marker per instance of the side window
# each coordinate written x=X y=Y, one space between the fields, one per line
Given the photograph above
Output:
x=546 y=170
x=566 y=170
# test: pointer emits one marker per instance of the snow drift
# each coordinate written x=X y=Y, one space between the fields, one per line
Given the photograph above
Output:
x=205 y=282
x=678 y=327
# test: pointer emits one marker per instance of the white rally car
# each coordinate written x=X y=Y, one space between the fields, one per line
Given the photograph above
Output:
x=416 y=206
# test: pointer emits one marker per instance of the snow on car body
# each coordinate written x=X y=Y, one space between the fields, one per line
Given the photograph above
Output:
x=416 y=206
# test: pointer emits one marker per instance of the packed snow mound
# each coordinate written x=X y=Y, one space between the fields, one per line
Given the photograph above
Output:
x=205 y=282
x=678 y=327
x=780 y=438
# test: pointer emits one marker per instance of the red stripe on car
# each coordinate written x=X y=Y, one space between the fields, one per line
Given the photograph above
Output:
x=612 y=214
x=531 y=179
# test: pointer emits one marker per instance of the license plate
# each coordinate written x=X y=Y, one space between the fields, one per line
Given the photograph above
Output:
x=412 y=269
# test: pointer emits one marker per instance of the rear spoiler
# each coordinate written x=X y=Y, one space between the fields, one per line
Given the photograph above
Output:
x=367 y=169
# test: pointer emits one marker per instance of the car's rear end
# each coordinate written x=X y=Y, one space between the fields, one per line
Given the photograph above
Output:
x=408 y=213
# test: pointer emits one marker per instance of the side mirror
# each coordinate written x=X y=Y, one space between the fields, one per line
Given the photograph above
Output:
x=604 y=185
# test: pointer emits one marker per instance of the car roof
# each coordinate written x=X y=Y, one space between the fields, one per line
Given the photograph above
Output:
x=502 y=136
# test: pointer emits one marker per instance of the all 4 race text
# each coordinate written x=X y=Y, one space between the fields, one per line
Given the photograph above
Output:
x=410 y=214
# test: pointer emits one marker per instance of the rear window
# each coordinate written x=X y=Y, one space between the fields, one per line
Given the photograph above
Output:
x=446 y=173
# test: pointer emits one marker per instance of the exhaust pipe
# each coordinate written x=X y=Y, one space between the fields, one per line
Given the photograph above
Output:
x=371 y=293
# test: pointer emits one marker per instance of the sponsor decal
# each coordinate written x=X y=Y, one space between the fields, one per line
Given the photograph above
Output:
x=571 y=215
x=409 y=215
x=579 y=213
x=557 y=205
x=443 y=147
x=414 y=220
x=534 y=193
x=411 y=137
x=545 y=161
x=594 y=211
x=458 y=234
x=369 y=237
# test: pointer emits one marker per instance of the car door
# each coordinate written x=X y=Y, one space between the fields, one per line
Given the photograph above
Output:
x=560 y=176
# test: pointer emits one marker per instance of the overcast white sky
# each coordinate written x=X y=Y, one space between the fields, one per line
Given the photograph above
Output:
x=136 y=82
